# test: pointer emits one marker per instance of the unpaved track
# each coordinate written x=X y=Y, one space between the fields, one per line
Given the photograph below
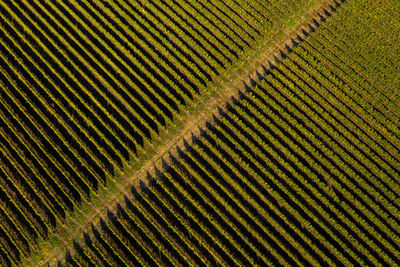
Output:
x=225 y=92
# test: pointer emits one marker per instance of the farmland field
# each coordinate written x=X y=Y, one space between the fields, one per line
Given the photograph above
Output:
x=229 y=132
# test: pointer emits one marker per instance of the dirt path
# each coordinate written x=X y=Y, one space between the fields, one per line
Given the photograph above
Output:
x=106 y=200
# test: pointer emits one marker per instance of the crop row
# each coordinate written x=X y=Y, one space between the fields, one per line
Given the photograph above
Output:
x=302 y=169
x=86 y=84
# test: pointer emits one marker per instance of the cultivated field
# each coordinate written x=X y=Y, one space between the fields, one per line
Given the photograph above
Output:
x=293 y=157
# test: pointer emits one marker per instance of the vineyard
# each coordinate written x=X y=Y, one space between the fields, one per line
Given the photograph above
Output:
x=301 y=166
